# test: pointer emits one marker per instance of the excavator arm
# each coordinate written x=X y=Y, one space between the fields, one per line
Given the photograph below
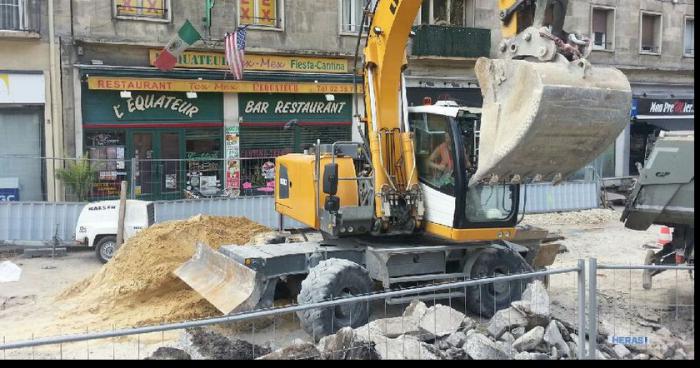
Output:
x=547 y=111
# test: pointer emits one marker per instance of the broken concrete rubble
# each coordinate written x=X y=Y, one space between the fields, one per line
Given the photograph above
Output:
x=534 y=304
x=530 y=340
x=456 y=339
x=345 y=345
x=440 y=320
x=480 y=347
x=621 y=351
x=553 y=337
x=504 y=320
x=299 y=350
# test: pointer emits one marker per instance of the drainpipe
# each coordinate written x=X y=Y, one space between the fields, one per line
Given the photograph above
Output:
x=54 y=72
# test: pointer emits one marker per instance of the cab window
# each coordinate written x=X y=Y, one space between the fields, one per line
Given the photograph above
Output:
x=435 y=158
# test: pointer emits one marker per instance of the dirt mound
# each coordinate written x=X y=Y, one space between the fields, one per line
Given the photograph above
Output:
x=138 y=287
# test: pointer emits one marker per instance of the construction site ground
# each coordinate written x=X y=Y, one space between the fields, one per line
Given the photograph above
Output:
x=32 y=307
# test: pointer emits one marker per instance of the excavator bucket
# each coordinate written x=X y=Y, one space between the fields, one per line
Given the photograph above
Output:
x=226 y=284
x=543 y=121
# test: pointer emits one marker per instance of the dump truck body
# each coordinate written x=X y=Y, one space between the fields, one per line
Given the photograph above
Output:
x=665 y=191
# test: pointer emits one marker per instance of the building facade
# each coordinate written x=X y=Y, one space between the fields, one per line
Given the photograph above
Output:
x=30 y=119
x=197 y=122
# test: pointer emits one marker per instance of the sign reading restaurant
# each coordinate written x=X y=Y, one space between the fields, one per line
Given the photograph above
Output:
x=300 y=64
x=223 y=86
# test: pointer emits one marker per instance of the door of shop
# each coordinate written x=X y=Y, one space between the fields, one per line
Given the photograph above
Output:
x=159 y=165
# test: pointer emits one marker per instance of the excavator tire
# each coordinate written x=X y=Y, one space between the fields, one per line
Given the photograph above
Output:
x=487 y=299
x=332 y=279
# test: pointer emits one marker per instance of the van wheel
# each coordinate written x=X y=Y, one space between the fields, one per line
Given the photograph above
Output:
x=106 y=248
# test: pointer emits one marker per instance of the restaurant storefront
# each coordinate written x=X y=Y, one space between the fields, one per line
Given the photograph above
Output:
x=188 y=129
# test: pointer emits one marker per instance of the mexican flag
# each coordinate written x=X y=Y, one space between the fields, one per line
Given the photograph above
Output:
x=186 y=36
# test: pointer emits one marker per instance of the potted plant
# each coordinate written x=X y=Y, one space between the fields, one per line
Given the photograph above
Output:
x=79 y=176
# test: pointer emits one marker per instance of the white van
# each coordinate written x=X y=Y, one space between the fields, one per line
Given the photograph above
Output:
x=98 y=221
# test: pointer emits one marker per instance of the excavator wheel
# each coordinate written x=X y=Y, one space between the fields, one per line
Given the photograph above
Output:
x=332 y=279
x=487 y=299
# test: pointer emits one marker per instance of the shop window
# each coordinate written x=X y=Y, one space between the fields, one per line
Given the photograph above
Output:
x=106 y=151
x=448 y=13
x=351 y=15
x=11 y=15
x=650 y=33
x=204 y=161
x=261 y=13
x=21 y=168
x=603 y=28
x=689 y=38
x=155 y=10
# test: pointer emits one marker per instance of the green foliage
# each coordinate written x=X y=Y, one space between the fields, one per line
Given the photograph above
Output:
x=79 y=177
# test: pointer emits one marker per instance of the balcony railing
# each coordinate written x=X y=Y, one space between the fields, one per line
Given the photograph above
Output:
x=451 y=41
x=20 y=15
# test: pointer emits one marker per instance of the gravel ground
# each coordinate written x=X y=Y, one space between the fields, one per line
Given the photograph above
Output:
x=624 y=307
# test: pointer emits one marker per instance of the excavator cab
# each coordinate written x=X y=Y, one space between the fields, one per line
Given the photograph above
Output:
x=446 y=140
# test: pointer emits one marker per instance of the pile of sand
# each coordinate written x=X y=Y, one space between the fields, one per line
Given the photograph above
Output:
x=587 y=217
x=138 y=287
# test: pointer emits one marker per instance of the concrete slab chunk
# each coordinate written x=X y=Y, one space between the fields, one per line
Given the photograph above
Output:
x=621 y=351
x=504 y=320
x=480 y=347
x=530 y=340
x=553 y=337
x=440 y=320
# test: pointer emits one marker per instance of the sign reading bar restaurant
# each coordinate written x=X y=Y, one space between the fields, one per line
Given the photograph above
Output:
x=224 y=86
x=262 y=110
x=300 y=64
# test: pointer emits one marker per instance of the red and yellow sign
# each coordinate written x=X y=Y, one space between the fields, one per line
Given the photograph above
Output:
x=299 y=64
x=259 y=12
x=147 y=8
x=228 y=86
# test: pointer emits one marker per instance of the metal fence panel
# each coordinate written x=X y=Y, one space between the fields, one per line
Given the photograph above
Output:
x=38 y=221
x=258 y=209
x=568 y=196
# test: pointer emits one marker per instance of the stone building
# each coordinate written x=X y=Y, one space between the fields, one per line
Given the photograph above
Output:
x=30 y=103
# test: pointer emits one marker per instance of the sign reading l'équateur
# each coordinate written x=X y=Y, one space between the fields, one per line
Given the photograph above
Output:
x=107 y=107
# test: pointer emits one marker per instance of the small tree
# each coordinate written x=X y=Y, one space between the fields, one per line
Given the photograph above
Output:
x=79 y=177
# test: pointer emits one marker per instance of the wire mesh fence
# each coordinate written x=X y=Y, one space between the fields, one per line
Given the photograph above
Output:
x=444 y=325
x=652 y=321
x=28 y=178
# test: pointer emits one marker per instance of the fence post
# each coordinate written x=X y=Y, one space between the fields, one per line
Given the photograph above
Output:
x=122 y=215
x=592 y=309
x=132 y=182
x=581 y=306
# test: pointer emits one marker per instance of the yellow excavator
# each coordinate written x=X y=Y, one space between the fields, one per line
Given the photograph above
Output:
x=432 y=192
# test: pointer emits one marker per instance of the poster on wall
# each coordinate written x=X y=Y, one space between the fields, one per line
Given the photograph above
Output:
x=233 y=164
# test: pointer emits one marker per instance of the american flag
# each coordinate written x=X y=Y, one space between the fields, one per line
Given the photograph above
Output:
x=235 y=51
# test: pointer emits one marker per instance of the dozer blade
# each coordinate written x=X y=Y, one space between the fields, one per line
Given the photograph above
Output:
x=226 y=284
x=546 y=120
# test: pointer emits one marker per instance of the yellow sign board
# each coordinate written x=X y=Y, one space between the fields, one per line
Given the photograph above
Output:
x=224 y=86
x=301 y=64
